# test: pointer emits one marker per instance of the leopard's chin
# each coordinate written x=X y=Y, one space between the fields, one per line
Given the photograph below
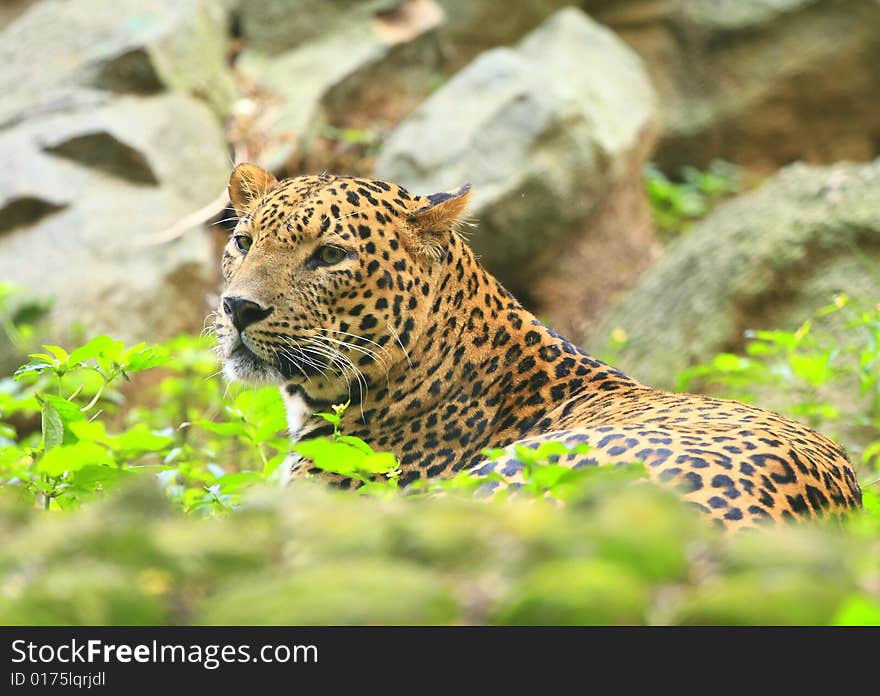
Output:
x=243 y=365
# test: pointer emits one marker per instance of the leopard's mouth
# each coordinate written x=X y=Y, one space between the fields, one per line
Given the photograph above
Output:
x=243 y=365
x=246 y=363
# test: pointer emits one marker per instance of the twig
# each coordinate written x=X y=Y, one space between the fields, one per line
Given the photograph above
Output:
x=194 y=219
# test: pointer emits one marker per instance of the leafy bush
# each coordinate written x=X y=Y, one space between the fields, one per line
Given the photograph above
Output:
x=836 y=351
x=90 y=538
x=305 y=555
x=204 y=448
x=676 y=204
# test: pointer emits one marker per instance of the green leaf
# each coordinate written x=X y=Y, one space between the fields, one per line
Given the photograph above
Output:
x=8 y=434
x=273 y=425
x=547 y=476
x=332 y=456
x=144 y=359
x=728 y=362
x=263 y=408
x=813 y=369
x=785 y=339
x=90 y=431
x=68 y=410
x=355 y=442
x=378 y=463
x=858 y=610
x=68 y=413
x=52 y=427
x=38 y=366
x=494 y=453
x=99 y=345
x=871 y=452
x=136 y=440
x=820 y=410
x=330 y=418
x=140 y=439
x=234 y=483
x=90 y=479
x=274 y=462
x=555 y=448
x=10 y=456
x=229 y=428
x=11 y=403
x=72 y=458
x=871 y=501
x=111 y=350
x=59 y=353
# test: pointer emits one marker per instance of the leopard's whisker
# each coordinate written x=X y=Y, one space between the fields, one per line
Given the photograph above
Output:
x=360 y=338
x=400 y=343
x=363 y=385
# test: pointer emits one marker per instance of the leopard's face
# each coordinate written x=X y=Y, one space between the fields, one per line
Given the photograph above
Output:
x=327 y=281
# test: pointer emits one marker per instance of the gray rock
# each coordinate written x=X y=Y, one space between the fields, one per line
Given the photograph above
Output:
x=736 y=15
x=758 y=82
x=547 y=133
x=77 y=222
x=474 y=26
x=766 y=260
x=276 y=26
x=11 y=9
x=322 y=81
x=61 y=55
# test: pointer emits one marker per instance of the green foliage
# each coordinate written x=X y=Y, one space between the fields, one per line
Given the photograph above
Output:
x=204 y=448
x=676 y=204
x=308 y=555
x=71 y=457
x=350 y=456
x=544 y=476
x=803 y=364
x=144 y=450
x=206 y=443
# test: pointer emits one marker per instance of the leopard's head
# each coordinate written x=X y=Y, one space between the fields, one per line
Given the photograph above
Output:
x=328 y=280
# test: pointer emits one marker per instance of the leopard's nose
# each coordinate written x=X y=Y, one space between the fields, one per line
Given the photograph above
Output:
x=244 y=312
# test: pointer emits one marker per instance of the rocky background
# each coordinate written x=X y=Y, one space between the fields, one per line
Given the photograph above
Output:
x=119 y=123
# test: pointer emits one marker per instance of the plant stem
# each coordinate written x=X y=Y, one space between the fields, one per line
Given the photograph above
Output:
x=263 y=459
x=96 y=397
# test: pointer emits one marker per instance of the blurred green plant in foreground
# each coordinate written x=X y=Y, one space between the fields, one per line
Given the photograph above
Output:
x=148 y=502
x=617 y=554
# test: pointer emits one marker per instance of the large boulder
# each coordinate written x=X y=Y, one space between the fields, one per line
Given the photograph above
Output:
x=83 y=195
x=11 y=9
x=761 y=83
x=469 y=27
x=552 y=134
x=765 y=260
x=109 y=134
x=474 y=26
x=275 y=26
x=376 y=64
x=60 y=55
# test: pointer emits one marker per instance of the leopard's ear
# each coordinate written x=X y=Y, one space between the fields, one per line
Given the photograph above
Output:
x=434 y=221
x=248 y=183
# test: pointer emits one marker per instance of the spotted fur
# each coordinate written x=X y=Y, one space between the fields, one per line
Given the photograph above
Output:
x=343 y=288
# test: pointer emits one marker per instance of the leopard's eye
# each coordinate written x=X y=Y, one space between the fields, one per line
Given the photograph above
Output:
x=242 y=242
x=330 y=255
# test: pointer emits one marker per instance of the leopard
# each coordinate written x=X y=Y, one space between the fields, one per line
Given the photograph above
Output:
x=351 y=289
